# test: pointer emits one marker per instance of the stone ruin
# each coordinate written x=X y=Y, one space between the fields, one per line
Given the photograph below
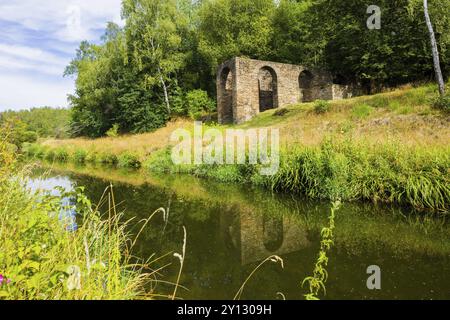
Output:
x=246 y=87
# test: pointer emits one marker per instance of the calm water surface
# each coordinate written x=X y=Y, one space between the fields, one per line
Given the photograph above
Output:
x=231 y=229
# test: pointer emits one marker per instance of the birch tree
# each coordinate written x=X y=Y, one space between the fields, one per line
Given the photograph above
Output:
x=436 y=61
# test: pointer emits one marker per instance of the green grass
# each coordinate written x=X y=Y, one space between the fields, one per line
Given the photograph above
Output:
x=362 y=111
x=389 y=173
x=43 y=260
x=360 y=163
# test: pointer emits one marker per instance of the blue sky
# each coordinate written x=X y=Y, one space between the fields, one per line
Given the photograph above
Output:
x=38 y=38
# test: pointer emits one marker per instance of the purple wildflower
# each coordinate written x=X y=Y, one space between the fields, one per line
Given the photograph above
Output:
x=3 y=279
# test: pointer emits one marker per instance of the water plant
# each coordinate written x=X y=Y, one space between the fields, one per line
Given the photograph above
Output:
x=316 y=282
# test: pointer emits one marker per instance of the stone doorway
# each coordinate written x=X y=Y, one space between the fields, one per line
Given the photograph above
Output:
x=268 y=89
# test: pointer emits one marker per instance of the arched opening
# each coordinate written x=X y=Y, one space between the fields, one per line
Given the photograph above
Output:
x=268 y=89
x=226 y=95
x=339 y=79
x=273 y=232
x=306 y=83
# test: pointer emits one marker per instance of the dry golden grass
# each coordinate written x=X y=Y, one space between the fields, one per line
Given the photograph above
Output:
x=403 y=115
x=140 y=144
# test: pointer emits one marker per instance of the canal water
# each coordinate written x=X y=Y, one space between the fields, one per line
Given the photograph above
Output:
x=231 y=229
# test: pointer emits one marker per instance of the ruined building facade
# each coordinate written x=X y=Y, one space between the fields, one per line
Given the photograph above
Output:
x=246 y=87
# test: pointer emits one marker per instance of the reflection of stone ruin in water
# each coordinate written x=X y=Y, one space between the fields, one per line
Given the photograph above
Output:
x=257 y=236
x=246 y=87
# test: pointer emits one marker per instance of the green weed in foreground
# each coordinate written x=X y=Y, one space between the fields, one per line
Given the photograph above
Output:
x=43 y=257
x=317 y=281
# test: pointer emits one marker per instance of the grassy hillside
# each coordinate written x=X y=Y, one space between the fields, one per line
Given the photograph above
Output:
x=404 y=115
x=392 y=147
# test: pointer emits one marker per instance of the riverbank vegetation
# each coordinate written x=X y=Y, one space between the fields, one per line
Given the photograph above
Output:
x=47 y=253
x=390 y=147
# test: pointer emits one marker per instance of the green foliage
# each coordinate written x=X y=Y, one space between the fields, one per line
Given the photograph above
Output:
x=114 y=131
x=45 y=256
x=317 y=281
x=229 y=28
x=129 y=160
x=80 y=156
x=198 y=103
x=61 y=155
x=107 y=159
x=390 y=173
x=50 y=155
x=40 y=122
x=362 y=111
x=17 y=131
x=321 y=106
x=442 y=103
x=144 y=73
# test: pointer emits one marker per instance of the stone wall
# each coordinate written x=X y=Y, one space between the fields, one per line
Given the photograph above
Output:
x=246 y=87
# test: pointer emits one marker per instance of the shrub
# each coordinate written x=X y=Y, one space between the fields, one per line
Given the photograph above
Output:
x=61 y=155
x=107 y=159
x=50 y=155
x=91 y=157
x=114 y=131
x=129 y=160
x=198 y=103
x=442 y=103
x=80 y=156
x=321 y=106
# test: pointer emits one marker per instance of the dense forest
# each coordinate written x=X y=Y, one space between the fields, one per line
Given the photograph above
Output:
x=29 y=125
x=162 y=63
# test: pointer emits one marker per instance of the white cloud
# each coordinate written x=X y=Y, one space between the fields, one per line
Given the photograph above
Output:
x=23 y=92
x=76 y=19
x=38 y=39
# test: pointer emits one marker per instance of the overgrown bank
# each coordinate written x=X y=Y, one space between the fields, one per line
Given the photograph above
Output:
x=349 y=170
x=391 y=147
x=46 y=253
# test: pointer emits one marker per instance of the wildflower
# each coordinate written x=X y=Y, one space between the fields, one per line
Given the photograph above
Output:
x=3 y=279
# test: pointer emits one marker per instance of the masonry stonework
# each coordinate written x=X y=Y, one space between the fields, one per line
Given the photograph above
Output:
x=246 y=87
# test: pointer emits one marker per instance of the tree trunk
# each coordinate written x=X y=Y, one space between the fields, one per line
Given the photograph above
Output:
x=166 y=94
x=163 y=83
x=437 y=65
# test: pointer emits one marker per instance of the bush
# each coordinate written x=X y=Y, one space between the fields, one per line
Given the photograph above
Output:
x=442 y=103
x=50 y=155
x=113 y=132
x=198 y=103
x=92 y=157
x=61 y=155
x=321 y=106
x=80 y=156
x=129 y=160
x=107 y=159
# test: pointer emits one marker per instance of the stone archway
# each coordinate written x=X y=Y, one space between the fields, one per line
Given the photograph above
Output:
x=225 y=95
x=306 y=83
x=268 y=89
